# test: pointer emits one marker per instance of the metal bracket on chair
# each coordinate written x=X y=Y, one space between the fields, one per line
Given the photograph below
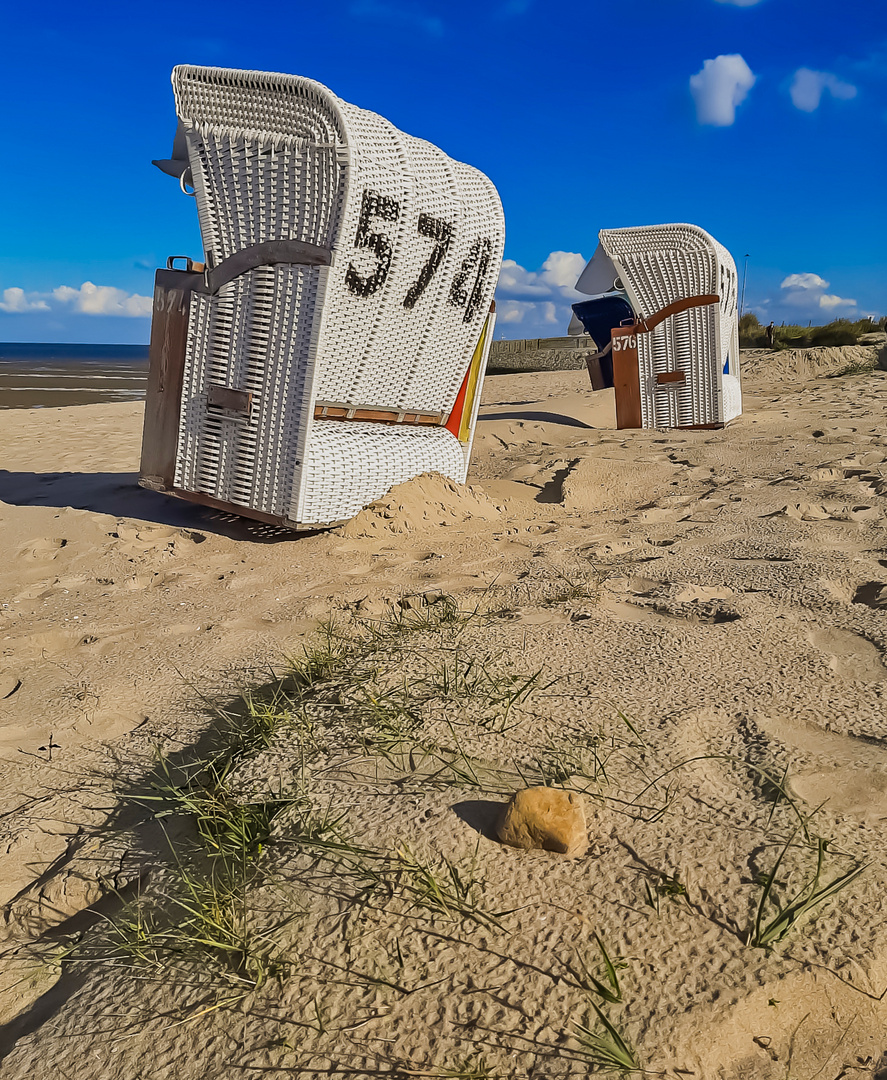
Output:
x=229 y=399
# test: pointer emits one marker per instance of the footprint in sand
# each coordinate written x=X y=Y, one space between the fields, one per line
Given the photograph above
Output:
x=44 y=548
x=139 y=581
x=690 y=593
x=854 y=791
x=695 y=604
x=807 y=511
x=828 y=511
x=73 y=582
x=863 y=461
x=39 y=591
x=706 y=612
x=656 y=515
x=139 y=538
x=601 y=484
x=609 y=550
x=537 y=616
x=361 y=570
x=847 y=774
x=873 y=594
x=52 y=642
x=849 y=655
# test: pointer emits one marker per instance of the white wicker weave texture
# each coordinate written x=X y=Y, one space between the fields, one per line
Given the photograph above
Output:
x=416 y=242
x=422 y=242
x=350 y=465
x=246 y=337
x=658 y=265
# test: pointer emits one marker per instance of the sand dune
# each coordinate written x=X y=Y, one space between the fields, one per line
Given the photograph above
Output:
x=725 y=590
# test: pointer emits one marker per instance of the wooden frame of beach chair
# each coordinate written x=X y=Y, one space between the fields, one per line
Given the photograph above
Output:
x=677 y=363
x=335 y=342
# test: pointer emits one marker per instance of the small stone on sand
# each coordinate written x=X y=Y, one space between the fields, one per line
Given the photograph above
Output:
x=544 y=817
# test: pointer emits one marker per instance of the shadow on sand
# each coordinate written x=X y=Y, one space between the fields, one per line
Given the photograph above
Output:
x=539 y=418
x=119 y=495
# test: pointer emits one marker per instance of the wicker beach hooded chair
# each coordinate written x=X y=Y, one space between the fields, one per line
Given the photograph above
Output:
x=334 y=342
x=664 y=318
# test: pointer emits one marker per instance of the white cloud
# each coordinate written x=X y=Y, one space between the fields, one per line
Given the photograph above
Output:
x=16 y=300
x=103 y=300
x=517 y=283
x=555 y=281
x=512 y=311
x=562 y=268
x=539 y=300
x=89 y=299
x=808 y=87
x=804 y=281
x=549 y=313
x=808 y=291
x=721 y=85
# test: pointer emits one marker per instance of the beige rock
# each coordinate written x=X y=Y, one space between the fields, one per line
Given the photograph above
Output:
x=544 y=817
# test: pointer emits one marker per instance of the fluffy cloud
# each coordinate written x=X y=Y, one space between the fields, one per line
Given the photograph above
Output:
x=808 y=291
x=539 y=300
x=562 y=269
x=89 y=299
x=555 y=280
x=721 y=85
x=529 y=314
x=103 y=300
x=15 y=300
x=516 y=283
x=808 y=87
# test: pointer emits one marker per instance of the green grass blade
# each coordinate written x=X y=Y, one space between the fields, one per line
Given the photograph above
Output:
x=612 y=977
x=608 y=1049
x=810 y=896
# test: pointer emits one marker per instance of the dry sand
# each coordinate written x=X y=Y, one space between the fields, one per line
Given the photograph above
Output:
x=726 y=591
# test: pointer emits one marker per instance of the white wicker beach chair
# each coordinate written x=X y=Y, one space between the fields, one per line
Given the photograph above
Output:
x=680 y=285
x=336 y=340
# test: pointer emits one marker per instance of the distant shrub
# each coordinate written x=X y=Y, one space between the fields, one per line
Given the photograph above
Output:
x=840 y=332
x=751 y=334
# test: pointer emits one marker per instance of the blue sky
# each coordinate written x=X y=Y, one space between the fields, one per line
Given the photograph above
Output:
x=763 y=121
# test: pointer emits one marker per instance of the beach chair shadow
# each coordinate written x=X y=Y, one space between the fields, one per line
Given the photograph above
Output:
x=540 y=418
x=119 y=495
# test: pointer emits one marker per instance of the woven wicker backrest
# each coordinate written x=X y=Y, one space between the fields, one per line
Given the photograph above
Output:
x=659 y=264
x=415 y=242
x=417 y=238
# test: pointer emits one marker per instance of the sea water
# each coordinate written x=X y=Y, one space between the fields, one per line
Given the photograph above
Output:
x=36 y=375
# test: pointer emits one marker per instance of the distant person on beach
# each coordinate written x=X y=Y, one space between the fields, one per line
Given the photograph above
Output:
x=770 y=330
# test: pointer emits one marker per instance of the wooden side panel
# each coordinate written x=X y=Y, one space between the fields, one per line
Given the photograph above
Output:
x=169 y=333
x=626 y=376
x=593 y=364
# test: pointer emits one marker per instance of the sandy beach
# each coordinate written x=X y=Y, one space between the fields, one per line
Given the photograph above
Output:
x=694 y=625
